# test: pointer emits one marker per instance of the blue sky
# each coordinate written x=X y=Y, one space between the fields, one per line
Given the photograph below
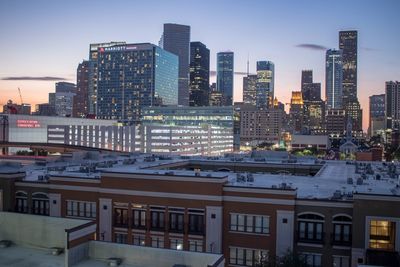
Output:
x=50 y=38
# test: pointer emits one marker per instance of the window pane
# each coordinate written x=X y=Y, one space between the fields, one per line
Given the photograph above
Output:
x=249 y=223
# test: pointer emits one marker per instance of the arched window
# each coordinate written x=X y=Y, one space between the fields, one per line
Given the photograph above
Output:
x=21 y=202
x=341 y=230
x=310 y=227
x=40 y=203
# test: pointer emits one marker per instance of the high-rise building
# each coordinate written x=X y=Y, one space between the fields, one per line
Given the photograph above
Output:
x=348 y=45
x=335 y=122
x=215 y=96
x=81 y=98
x=132 y=76
x=392 y=105
x=64 y=98
x=376 y=114
x=199 y=74
x=249 y=89
x=296 y=111
x=176 y=39
x=92 y=91
x=333 y=79
x=265 y=84
x=306 y=78
x=225 y=75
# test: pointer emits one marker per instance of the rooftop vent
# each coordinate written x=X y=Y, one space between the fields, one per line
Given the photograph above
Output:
x=250 y=177
x=359 y=181
x=240 y=178
x=56 y=251
x=349 y=180
x=169 y=173
x=114 y=261
x=337 y=194
x=5 y=243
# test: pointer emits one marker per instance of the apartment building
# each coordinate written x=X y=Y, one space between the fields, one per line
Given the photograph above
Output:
x=334 y=213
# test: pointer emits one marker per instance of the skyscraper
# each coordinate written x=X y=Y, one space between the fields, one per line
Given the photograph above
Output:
x=376 y=114
x=199 y=74
x=333 y=79
x=265 y=84
x=132 y=76
x=225 y=77
x=64 y=98
x=176 y=39
x=306 y=77
x=80 y=108
x=348 y=45
x=309 y=89
x=392 y=105
x=296 y=111
x=249 y=89
x=92 y=91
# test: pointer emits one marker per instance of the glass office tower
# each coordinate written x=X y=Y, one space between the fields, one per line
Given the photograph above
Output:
x=134 y=76
x=265 y=84
x=333 y=79
x=199 y=74
x=225 y=75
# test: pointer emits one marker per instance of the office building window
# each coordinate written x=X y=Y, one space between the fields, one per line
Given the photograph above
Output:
x=313 y=260
x=176 y=222
x=342 y=230
x=382 y=234
x=120 y=217
x=138 y=240
x=249 y=223
x=157 y=219
x=157 y=241
x=21 y=202
x=196 y=224
x=176 y=244
x=196 y=245
x=246 y=256
x=121 y=238
x=341 y=261
x=40 y=204
x=310 y=228
x=139 y=218
x=81 y=209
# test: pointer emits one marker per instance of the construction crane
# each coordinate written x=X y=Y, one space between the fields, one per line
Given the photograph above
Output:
x=20 y=95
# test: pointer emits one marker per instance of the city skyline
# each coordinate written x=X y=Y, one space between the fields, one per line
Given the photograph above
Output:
x=47 y=48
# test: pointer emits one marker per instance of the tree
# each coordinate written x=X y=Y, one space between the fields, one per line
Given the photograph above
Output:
x=289 y=259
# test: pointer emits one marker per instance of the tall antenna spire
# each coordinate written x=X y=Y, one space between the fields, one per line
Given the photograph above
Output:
x=247 y=64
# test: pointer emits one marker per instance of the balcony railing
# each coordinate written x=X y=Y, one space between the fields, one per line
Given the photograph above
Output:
x=310 y=240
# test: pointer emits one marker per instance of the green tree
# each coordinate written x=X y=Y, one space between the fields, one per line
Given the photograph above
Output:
x=289 y=259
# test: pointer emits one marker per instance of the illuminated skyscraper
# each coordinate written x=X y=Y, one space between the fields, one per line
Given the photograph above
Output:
x=265 y=84
x=199 y=74
x=225 y=77
x=348 y=45
x=333 y=79
x=133 y=76
x=392 y=105
x=176 y=39
x=249 y=89
x=80 y=108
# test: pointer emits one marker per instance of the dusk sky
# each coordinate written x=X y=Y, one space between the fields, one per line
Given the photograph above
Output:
x=50 y=38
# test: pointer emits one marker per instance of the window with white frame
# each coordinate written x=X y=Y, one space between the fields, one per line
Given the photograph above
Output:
x=310 y=228
x=196 y=245
x=313 y=260
x=157 y=241
x=176 y=244
x=82 y=209
x=248 y=223
x=342 y=230
x=341 y=261
x=246 y=256
x=139 y=240
x=40 y=204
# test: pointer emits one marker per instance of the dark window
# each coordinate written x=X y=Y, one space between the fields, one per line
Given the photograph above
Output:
x=157 y=220
x=120 y=217
x=176 y=222
x=310 y=228
x=196 y=224
x=139 y=218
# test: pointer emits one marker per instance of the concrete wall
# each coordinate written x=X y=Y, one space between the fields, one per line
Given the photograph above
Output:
x=35 y=231
x=149 y=257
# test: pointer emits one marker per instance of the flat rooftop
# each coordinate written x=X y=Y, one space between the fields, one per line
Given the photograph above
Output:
x=337 y=180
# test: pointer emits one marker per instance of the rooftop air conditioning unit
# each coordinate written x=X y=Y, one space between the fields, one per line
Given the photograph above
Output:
x=114 y=261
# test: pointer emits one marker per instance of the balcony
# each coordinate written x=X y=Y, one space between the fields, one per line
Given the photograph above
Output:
x=310 y=240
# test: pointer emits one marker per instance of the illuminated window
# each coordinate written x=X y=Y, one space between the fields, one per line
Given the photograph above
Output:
x=381 y=235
